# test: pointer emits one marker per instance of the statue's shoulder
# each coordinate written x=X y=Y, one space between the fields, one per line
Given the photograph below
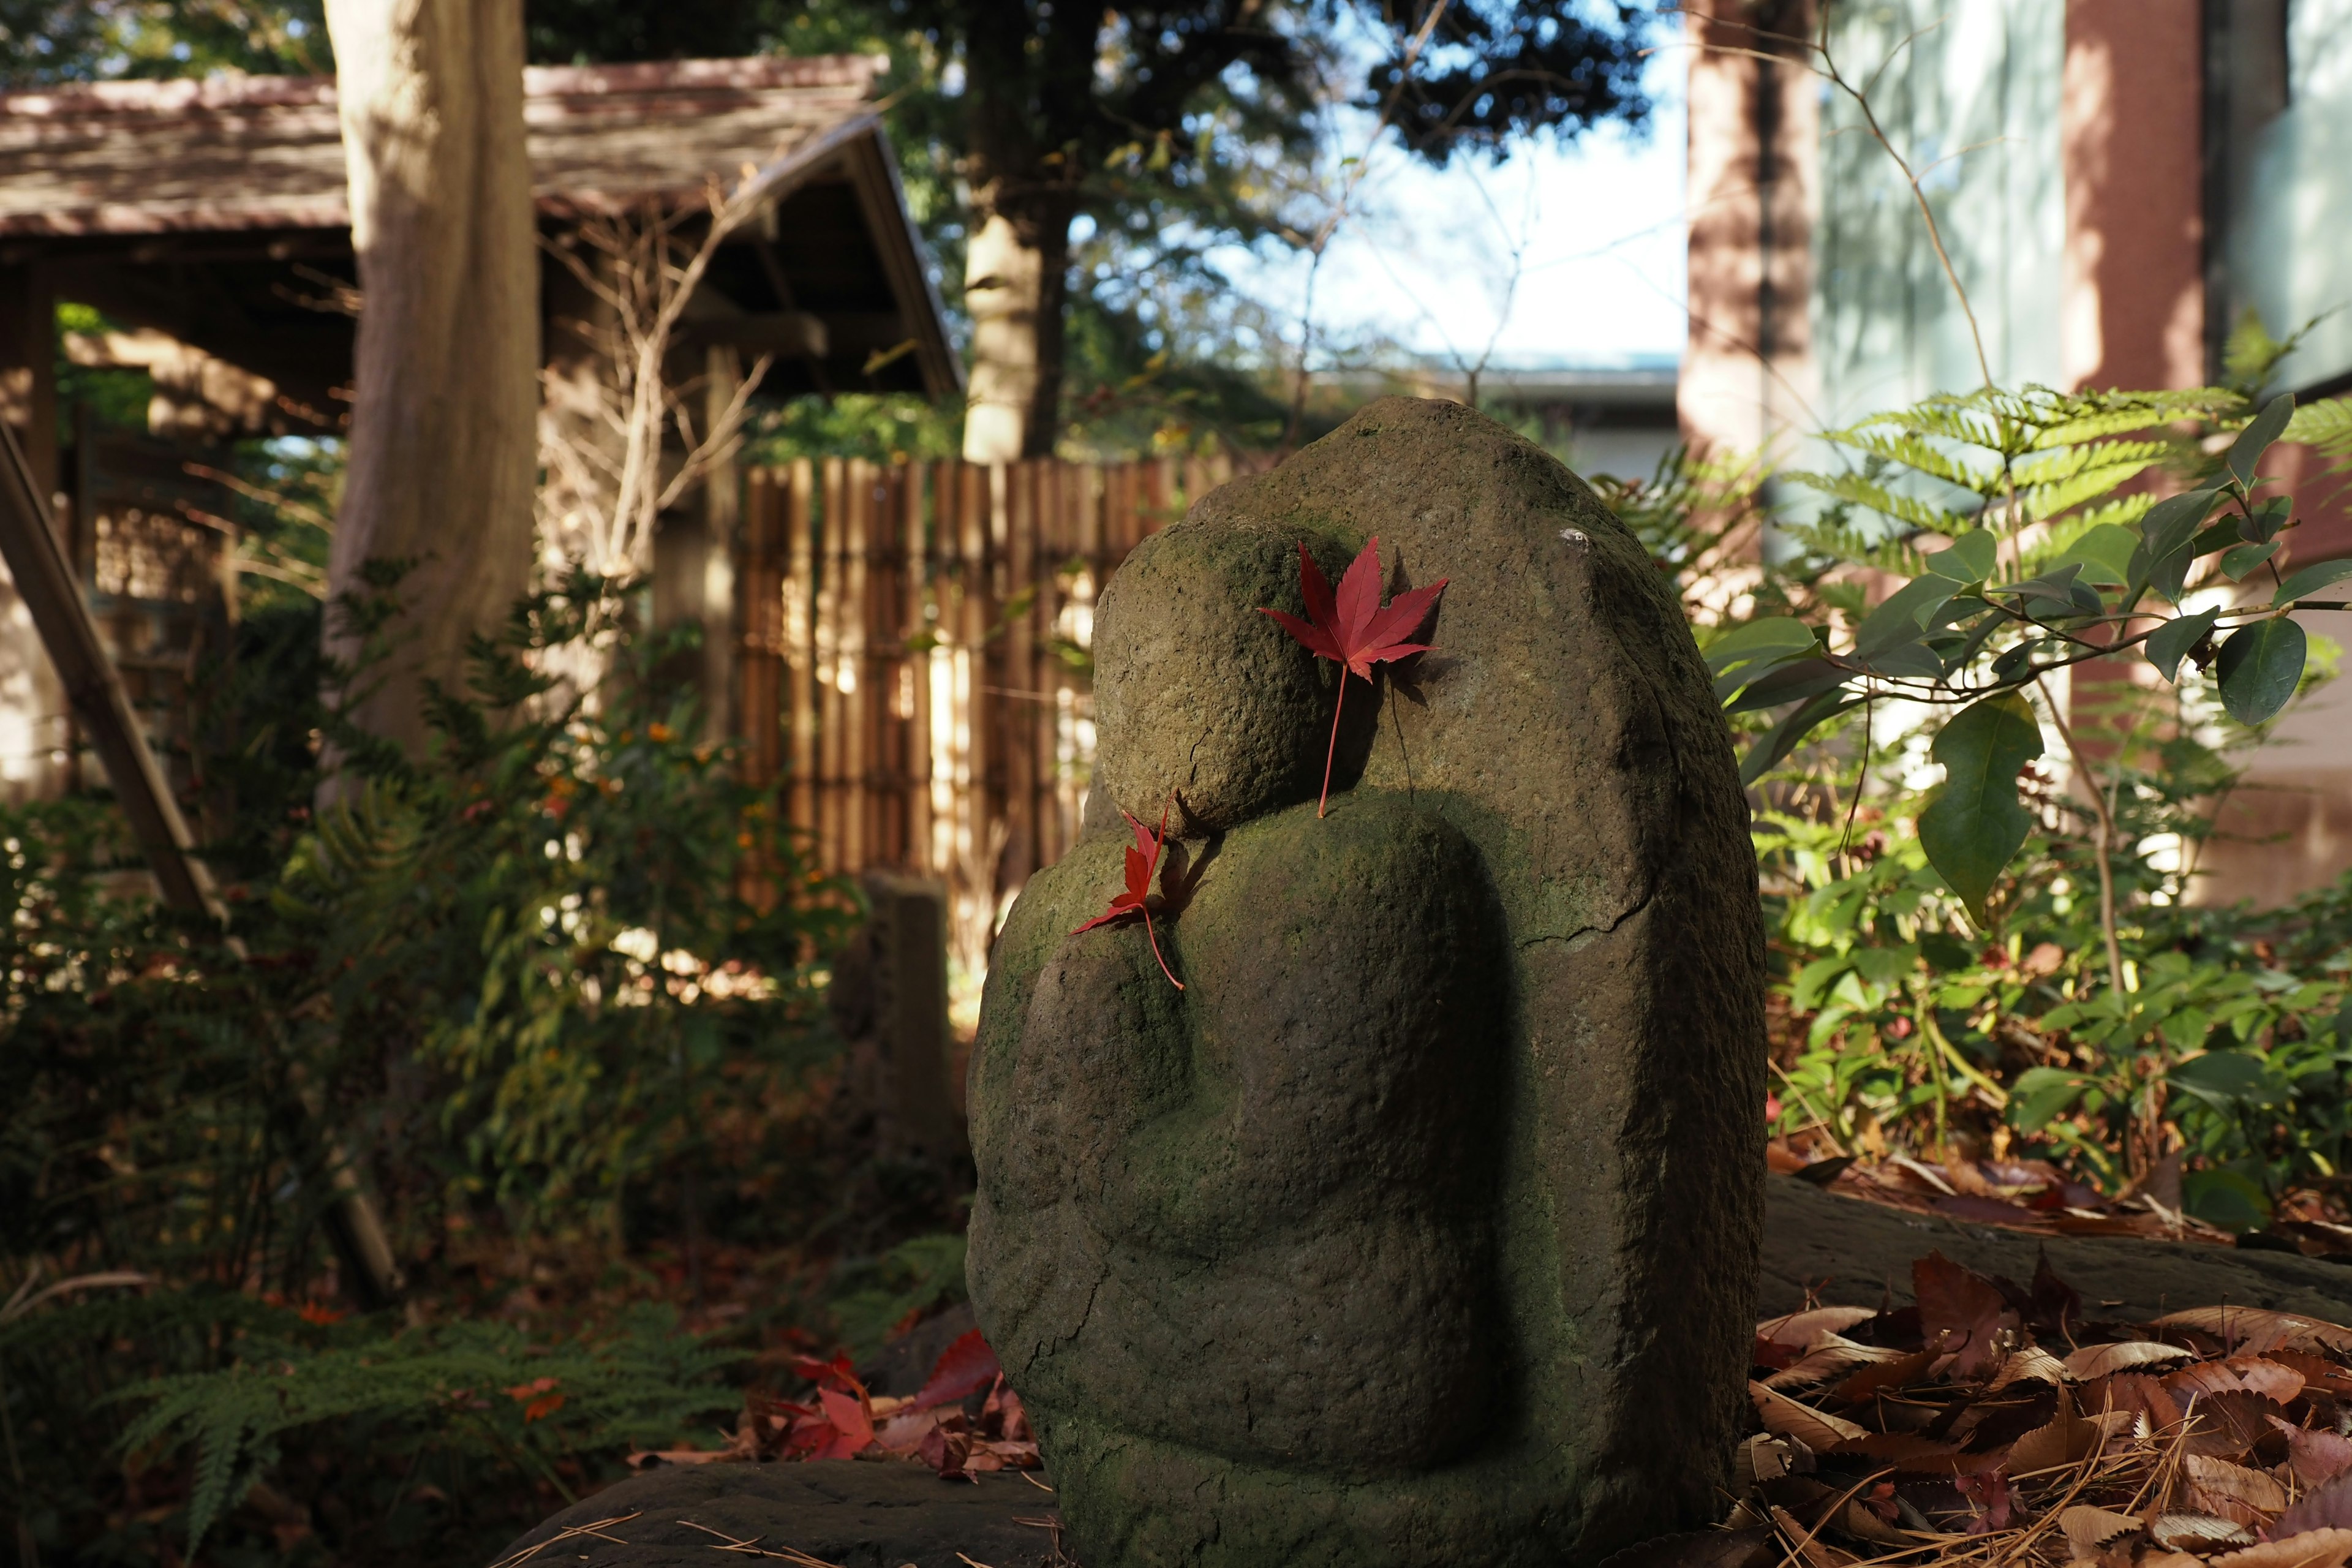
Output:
x=1378 y=843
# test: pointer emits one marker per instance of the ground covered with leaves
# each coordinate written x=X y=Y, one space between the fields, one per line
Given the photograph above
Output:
x=2003 y=1422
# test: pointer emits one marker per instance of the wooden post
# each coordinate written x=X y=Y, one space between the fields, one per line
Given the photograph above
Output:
x=907 y=947
x=760 y=651
x=833 y=710
x=858 y=708
x=984 y=490
x=723 y=626
x=800 y=642
x=913 y=536
x=36 y=562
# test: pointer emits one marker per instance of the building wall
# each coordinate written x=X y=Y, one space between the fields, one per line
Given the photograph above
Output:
x=2114 y=181
x=1746 y=380
x=2285 y=156
x=1970 y=94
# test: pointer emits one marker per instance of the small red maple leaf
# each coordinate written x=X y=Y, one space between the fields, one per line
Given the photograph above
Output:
x=1352 y=629
x=1142 y=865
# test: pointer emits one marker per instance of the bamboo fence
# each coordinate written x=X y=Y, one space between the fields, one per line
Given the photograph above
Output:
x=916 y=664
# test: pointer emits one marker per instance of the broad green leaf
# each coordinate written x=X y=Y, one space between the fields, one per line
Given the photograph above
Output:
x=1814 y=979
x=1904 y=614
x=1791 y=683
x=2310 y=579
x=2219 y=1077
x=2057 y=584
x=2105 y=554
x=2266 y=520
x=2237 y=563
x=1776 y=636
x=2173 y=520
x=1971 y=559
x=2170 y=576
x=2231 y=1199
x=2041 y=1094
x=1781 y=739
x=2246 y=451
x=2259 y=667
x=2220 y=535
x=1913 y=658
x=1974 y=824
x=2169 y=643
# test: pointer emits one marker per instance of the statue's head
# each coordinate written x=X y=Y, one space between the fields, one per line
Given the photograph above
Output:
x=1198 y=692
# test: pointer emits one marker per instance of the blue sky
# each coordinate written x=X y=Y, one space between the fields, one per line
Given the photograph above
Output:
x=1428 y=259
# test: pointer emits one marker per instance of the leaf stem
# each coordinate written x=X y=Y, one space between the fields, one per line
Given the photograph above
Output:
x=1153 y=936
x=1332 y=749
x=1159 y=852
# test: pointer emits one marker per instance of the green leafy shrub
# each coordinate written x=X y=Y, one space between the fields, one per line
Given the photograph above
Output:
x=554 y=984
x=2005 y=960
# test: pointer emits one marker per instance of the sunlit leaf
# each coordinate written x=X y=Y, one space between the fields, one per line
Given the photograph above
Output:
x=2246 y=451
x=2259 y=667
x=1970 y=558
x=1781 y=740
x=1904 y=617
x=1975 y=825
x=2169 y=643
x=1760 y=643
x=2310 y=579
x=2237 y=563
x=2104 y=555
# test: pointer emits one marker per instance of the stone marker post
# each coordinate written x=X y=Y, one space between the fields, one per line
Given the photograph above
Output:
x=1420 y=1226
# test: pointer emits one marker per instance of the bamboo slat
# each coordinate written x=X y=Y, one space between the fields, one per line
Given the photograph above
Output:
x=900 y=661
x=800 y=650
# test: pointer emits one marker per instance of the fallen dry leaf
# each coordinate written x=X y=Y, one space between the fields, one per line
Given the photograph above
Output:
x=2316 y=1457
x=2328 y=1507
x=1963 y=1312
x=2239 y=1374
x=1799 y=1330
x=2318 y=1549
x=2104 y=1361
x=2067 y=1437
x=1825 y=1358
x=1784 y=1417
x=2088 y=1528
x=2252 y=1330
x=2231 y=1491
x=2196 y=1531
x=2030 y=1364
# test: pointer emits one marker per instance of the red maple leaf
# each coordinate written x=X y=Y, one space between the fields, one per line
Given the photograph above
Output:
x=1142 y=864
x=965 y=1367
x=1352 y=629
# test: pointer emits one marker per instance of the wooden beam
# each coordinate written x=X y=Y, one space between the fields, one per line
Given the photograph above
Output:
x=36 y=560
x=28 y=542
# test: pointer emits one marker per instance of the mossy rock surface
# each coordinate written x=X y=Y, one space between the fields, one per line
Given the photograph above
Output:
x=1420 y=1226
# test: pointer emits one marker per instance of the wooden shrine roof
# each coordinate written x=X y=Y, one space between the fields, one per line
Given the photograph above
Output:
x=248 y=152
x=215 y=210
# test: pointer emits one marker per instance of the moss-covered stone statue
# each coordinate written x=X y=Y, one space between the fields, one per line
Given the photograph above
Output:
x=1420 y=1226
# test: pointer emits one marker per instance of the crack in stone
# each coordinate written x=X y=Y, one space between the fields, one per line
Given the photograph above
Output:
x=1580 y=933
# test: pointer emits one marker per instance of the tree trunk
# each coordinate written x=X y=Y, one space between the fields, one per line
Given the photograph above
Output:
x=1016 y=286
x=442 y=444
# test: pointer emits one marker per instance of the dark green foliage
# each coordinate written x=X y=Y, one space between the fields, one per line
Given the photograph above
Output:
x=589 y=32
x=551 y=979
x=477 y=1391
x=47 y=42
x=1497 y=70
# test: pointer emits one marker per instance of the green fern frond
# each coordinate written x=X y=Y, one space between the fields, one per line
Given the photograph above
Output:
x=1919 y=454
x=1909 y=511
x=2326 y=425
x=1845 y=545
x=2041 y=502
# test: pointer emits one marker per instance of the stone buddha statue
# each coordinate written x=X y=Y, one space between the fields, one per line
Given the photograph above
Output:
x=1420 y=1225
